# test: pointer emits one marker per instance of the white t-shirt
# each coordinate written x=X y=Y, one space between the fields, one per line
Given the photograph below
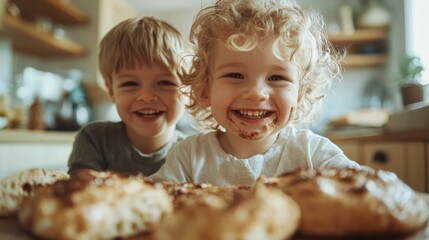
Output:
x=200 y=159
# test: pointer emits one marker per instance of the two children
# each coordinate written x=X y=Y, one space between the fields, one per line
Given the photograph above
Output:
x=140 y=60
x=260 y=69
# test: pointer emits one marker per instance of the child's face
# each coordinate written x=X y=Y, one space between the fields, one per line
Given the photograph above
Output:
x=252 y=94
x=147 y=100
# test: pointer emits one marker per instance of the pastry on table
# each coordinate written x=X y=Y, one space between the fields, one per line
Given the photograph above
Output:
x=341 y=202
x=95 y=205
x=15 y=188
x=228 y=213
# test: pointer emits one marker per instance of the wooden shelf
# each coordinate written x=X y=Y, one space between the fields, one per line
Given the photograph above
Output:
x=27 y=39
x=365 y=47
x=365 y=60
x=60 y=11
x=360 y=35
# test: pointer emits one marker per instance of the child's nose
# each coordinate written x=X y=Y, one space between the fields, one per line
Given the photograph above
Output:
x=147 y=96
x=255 y=92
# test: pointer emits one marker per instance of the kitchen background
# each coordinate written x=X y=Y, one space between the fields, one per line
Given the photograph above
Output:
x=49 y=77
x=368 y=83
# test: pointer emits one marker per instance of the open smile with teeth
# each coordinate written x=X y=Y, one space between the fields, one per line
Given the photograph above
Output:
x=253 y=114
x=148 y=113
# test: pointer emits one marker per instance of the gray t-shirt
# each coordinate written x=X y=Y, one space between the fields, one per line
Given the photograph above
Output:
x=106 y=146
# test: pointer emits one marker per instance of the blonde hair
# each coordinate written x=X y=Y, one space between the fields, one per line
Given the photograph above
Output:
x=242 y=25
x=141 y=40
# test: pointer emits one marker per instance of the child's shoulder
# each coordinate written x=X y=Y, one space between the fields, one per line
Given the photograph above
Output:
x=101 y=126
x=199 y=138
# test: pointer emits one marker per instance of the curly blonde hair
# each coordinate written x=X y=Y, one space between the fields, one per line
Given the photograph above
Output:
x=242 y=25
x=141 y=40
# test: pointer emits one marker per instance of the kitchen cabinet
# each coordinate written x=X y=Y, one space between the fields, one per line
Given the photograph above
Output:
x=365 y=47
x=406 y=153
x=27 y=38
x=406 y=159
x=352 y=150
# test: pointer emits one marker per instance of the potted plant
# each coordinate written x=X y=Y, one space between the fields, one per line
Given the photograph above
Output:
x=410 y=79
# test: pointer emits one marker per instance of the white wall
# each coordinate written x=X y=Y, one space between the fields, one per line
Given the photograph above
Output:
x=182 y=20
x=5 y=64
x=417 y=40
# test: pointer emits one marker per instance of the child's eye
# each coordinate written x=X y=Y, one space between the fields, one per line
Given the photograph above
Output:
x=128 y=84
x=167 y=83
x=234 y=75
x=277 y=78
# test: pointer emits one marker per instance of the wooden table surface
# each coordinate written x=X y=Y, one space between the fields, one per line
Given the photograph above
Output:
x=11 y=229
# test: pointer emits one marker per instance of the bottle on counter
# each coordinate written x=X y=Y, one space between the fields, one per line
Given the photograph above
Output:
x=36 y=115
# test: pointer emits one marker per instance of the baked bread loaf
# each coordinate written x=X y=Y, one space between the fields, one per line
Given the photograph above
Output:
x=256 y=213
x=182 y=191
x=15 y=188
x=338 y=202
x=95 y=205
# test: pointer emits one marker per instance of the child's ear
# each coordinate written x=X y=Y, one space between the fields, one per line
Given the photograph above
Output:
x=109 y=88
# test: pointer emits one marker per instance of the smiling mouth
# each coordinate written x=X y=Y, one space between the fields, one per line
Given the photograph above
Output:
x=253 y=114
x=149 y=113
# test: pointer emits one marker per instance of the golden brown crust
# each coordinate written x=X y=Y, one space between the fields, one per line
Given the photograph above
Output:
x=180 y=193
x=15 y=188
x=229 y=213
x=337 y=202
x=95 y=205
x=329 y=202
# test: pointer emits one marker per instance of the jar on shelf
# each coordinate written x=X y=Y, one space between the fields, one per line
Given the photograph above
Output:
x=374 y=16
x=346 y=18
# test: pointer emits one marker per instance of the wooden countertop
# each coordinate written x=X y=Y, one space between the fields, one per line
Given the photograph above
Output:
x=380 y=135
x=25 y=136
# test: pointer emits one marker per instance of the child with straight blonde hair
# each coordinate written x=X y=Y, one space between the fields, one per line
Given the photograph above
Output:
x=260 y=69
x=140 y=60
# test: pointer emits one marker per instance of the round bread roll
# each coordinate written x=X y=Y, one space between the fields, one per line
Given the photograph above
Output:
x=338 y=202
x=95 y=205
x=182 y=191
x=15 y=188
x=258 y=213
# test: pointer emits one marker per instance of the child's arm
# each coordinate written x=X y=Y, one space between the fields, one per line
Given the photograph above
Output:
x=85 y=154
x=328 y=155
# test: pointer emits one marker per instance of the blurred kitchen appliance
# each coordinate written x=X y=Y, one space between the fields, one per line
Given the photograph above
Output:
x=73 y=110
